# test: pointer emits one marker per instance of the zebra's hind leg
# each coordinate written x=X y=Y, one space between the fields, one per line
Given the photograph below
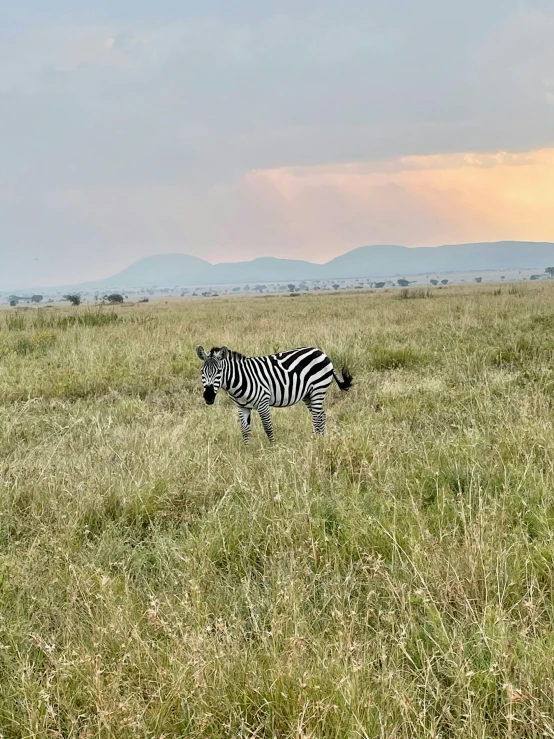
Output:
x=265 y=415
x=244 y=417
x=315 y=405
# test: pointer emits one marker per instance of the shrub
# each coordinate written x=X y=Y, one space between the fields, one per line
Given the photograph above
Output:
x=114 y=298
x=73 y=298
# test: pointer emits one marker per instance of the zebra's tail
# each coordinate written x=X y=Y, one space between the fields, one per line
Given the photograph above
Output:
x=346 y=381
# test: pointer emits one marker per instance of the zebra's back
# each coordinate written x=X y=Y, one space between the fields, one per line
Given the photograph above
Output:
x=285 y=378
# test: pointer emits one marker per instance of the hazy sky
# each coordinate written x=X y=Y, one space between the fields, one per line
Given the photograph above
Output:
x=230 y=130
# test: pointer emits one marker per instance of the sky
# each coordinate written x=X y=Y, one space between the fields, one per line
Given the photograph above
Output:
x=231 y=130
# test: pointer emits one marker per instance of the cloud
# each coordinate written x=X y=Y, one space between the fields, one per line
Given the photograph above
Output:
x=414 y=201
x=211 y=97
x=148 y=127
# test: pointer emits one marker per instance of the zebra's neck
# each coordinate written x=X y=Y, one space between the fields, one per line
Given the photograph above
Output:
x=229 y=369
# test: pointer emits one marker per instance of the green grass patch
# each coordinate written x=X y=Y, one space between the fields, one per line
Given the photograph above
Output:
x=384 y=358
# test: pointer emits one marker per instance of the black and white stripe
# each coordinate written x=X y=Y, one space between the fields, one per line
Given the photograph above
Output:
x=275 y=380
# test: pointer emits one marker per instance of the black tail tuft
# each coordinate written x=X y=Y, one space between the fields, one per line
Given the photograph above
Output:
x=346 y=381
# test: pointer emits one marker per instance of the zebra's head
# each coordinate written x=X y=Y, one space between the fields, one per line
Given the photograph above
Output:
x=212 y=370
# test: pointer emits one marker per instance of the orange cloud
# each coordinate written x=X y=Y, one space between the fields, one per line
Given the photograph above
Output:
x=318 y=212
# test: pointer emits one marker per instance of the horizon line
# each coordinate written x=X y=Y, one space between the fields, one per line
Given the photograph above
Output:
x=86 y=283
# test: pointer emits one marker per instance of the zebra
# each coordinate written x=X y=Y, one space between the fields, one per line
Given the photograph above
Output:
x=280 y=380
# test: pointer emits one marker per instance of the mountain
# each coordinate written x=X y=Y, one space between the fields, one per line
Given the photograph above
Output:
x=163 y=269
x=265 y=269
x=167 y=270
x=384 y=261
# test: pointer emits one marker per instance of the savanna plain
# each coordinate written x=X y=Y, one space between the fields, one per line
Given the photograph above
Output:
x=391 y=579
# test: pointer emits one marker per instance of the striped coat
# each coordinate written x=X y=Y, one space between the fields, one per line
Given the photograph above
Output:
x=280 y=380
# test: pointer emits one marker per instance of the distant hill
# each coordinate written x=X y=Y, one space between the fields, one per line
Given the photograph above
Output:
x=162 y=269
x=385 y=261
x=167 y=270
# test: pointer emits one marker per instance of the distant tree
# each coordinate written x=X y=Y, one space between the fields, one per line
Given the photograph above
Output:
x=37 y=298
x=478 y=279
x=434 y=282
x=403 y=283
x=550 y=271
x=14 y=302
x=444 y=282
x=336 y=287
x=246 y=288
x=535 y=277
x=379 y=284
x=503 y=277
x=291 y=287
x=114 y=298
x=73 y=298
x=236 y=289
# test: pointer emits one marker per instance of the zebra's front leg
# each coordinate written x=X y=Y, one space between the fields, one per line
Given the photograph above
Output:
x=265 y=415
x=244 y=418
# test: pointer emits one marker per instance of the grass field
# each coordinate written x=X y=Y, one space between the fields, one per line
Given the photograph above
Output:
x=393 y=579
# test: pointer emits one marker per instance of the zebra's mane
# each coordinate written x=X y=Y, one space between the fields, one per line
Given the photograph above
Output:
x=232 y=354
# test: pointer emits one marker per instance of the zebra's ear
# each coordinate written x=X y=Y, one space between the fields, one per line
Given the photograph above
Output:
x=201 y=353
x=223 y=353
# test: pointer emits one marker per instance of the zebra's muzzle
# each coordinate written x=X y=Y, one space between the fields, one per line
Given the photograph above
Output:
x=209 y=394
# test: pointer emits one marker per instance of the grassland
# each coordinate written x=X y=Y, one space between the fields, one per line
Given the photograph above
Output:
x=393 y=579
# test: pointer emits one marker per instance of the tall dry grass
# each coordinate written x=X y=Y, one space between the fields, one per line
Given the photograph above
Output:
x=394 y=579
